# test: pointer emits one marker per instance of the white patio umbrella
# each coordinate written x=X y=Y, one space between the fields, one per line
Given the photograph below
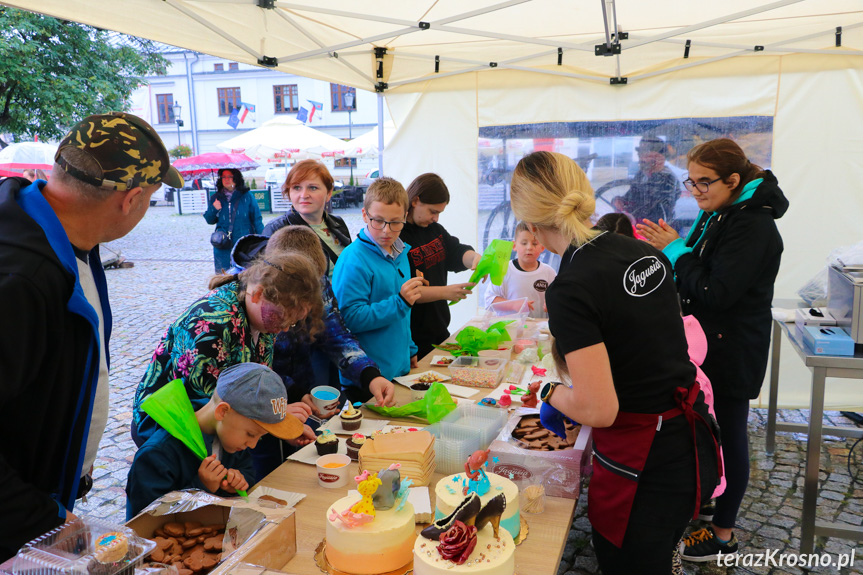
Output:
x=283 y=138
x=15 y=158
x=366 y=146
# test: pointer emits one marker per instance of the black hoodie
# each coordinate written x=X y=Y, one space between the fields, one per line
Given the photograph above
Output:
x=726 y=282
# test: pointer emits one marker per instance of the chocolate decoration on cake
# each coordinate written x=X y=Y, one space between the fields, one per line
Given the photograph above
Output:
x=458 y=543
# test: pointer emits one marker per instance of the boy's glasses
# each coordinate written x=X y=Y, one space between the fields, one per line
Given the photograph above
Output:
x=379 y=224
x=702 y=187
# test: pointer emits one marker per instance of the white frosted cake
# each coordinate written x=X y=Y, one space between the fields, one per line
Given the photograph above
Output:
x=449 y=493
x=382 y=545
x=490 y=556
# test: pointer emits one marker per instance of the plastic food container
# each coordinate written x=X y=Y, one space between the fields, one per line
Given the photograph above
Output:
x=485 y=422
x=70 y=549
x=453 y=445
x=477 y=371
x=514 y=311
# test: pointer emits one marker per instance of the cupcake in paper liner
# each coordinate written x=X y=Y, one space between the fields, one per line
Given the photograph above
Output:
x=327 y=442
x=354 y=443
x=352 y=418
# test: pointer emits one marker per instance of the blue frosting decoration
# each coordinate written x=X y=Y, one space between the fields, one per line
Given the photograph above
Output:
x=481 y=486
x=402 y=496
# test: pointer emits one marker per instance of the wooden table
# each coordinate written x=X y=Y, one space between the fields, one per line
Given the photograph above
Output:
x=539 y=554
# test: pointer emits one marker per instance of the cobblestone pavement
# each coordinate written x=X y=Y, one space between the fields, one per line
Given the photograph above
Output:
x=172 y=265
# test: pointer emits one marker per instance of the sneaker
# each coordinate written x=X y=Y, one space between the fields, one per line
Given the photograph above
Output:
x=707 y=511
x=702 y=545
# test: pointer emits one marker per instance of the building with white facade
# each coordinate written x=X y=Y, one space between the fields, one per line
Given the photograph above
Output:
x=209 y=88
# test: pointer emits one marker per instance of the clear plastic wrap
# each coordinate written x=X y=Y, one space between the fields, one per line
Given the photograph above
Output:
x=559 y=472
x=72 y=549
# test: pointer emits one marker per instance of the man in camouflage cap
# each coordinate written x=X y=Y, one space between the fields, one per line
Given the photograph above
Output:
x=57 y=320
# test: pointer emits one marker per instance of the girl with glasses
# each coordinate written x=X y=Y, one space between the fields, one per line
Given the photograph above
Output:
x=725 y=270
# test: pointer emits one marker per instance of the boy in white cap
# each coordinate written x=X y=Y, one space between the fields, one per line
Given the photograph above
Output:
x=248 y=403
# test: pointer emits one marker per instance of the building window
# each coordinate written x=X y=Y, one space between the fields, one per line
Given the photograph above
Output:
x=229 y=98
x=218 y=67
x=345 y=162
x=337 y=92
x=285 y=98
x=164 y=103
x=233 y=66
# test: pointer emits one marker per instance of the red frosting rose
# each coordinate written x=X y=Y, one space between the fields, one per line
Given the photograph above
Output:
x=457 y=543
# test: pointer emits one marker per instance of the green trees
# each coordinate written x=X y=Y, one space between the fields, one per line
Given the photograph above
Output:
x=55 y=72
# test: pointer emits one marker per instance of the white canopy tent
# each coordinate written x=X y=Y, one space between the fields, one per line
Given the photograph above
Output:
x=450 y=67
x=282 y=137
x=366 y=146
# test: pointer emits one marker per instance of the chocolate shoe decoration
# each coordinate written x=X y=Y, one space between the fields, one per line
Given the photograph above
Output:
x=465 y=512
x=491 y=513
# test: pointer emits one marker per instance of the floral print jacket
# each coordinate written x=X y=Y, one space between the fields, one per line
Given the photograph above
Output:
x=211 y=335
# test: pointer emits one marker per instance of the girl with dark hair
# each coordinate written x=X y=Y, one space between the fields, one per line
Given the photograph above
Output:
x=433 y=252
x=725 y=270
x=236 y=214
x=616 y=223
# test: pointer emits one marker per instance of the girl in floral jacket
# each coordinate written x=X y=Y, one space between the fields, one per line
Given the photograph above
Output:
x=236 y=322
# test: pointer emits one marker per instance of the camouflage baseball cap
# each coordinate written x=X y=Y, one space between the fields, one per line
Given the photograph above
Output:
x=127 y=148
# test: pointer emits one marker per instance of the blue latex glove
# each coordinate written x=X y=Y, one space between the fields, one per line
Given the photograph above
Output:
x=552 y=420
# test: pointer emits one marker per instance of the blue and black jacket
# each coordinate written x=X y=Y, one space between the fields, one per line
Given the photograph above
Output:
x=725 y=270
x=49 y=365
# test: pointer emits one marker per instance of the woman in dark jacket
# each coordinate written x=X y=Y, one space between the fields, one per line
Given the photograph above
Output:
x=235 y=212
x=309 y=186
x=725 y=272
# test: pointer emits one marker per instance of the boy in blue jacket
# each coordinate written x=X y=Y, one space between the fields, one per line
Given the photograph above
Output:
x=373 y=285
x=248 y=403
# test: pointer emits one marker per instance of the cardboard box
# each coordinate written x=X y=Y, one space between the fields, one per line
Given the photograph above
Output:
x=823 y=340
x=560 y=472
x=813 y=316
x=258 y=536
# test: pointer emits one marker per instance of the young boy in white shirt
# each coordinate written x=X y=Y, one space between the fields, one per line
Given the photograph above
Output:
x=526 y=276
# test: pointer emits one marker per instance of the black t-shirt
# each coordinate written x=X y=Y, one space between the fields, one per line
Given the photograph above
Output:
x=621 y=292
x=433 y=252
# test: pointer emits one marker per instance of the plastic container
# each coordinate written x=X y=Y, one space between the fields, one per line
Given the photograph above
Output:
x=69 y=549
x=485 y=422
x=498 y=353
x=543 y=342
x=453 y=445
x=514 y=310
x=477 y=371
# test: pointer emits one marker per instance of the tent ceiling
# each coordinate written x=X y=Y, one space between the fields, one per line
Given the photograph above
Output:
x=334 y=40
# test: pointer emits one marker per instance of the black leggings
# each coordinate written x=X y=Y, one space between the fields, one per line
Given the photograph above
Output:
x=733 y=418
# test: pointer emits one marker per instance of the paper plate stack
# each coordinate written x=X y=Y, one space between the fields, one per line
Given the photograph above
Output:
x=414 y=450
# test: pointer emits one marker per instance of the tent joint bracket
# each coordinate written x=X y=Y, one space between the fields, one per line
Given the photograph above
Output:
x=424 y=25
x=381 y=86
x=268 y=61
x=606 y=49
x=618 y=81
x=267 y=4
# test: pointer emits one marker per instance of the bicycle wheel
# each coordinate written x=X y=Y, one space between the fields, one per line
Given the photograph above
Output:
x=501 y=225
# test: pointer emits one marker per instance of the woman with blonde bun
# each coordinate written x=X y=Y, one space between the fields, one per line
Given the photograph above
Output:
x=619 y=343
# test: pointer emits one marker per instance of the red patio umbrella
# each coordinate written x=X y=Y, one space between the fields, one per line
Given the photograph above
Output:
x=204 y=164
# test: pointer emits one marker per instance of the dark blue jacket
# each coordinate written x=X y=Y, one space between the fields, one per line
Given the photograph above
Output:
x=165 y=464
x=292 y=353
x=49 y=365
x=247 y=215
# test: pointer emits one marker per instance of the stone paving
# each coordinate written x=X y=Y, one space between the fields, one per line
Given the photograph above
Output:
x=172 y=265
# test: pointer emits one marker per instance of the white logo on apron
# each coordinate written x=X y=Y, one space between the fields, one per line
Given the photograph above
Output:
x=643 y=276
